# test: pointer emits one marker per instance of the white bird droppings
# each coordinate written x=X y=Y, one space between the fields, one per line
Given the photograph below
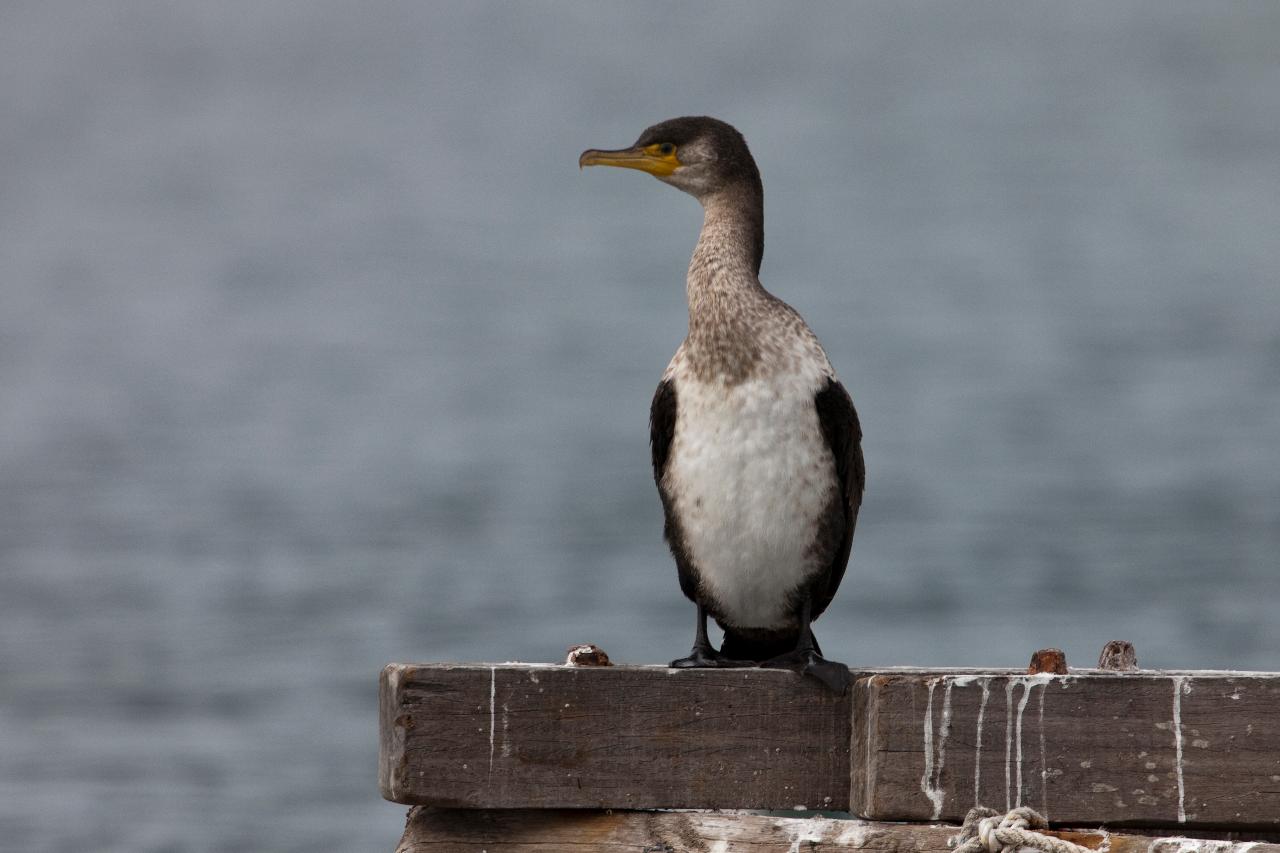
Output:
x=1180 y=686
x=931 y=781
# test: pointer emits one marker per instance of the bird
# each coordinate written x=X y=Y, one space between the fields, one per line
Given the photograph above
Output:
x=755 y=444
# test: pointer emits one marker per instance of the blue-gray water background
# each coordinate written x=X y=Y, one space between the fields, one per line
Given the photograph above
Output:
x=317 y=352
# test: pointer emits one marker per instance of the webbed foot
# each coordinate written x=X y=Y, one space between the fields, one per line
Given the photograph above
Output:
x=833 y=674
x=705 y=656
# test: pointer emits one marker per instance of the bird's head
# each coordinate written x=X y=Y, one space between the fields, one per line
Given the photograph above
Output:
x=700 y=155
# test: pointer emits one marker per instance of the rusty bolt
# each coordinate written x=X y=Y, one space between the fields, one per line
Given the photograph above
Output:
x=1118 y=656
x=587 y=654
x=1048 y=660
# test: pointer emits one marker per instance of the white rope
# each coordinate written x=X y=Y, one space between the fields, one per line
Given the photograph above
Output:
x=987 y=831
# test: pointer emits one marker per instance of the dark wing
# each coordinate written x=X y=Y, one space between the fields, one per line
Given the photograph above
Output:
x=662 y=429
x=843 y=435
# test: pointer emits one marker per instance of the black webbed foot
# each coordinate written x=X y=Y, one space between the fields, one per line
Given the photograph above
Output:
x=705 y=656
x=833 y=674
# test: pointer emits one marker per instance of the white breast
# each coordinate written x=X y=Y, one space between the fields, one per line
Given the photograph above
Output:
x=751 y=474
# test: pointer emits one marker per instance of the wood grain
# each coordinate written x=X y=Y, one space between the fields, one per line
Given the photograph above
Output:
x=520 y=736
x=1141 y=749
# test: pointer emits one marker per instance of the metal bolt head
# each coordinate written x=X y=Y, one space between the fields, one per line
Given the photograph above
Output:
x=1118 y=656
x=1048 y=660
x=587 y=654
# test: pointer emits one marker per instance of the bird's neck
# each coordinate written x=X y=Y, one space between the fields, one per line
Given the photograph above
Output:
x=724 y=288
x=726 y=261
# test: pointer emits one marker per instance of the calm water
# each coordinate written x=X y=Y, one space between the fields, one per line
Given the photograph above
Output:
x=317 y=352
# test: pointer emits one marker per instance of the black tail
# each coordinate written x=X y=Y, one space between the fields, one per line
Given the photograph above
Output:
x=760 y=647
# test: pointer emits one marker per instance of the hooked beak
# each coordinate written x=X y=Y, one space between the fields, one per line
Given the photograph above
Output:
x=631 y=158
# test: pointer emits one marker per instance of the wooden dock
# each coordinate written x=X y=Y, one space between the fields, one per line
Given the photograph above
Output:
x=520 y=757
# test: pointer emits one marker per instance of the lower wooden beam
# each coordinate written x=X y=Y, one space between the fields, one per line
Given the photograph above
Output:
x=432 y=830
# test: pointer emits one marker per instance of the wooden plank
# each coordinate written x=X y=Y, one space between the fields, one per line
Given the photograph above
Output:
x=550 y=831
x=1126 y=749
x=521 y=736
x=1136 y=749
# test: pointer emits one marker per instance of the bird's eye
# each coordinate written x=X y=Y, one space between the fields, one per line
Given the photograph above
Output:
x=666 y=149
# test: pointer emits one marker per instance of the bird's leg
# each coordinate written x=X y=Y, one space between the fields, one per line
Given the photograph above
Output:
x=806 y=658
x=703 y=655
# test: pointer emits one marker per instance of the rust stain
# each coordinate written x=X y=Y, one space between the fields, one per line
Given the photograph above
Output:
x=1048 y=661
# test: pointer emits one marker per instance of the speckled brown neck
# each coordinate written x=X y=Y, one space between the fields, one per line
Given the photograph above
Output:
x=726 y=299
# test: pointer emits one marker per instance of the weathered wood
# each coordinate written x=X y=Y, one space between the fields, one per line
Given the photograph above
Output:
x=549 y=831
x=1141 y=749
x=513 y=736
x=1125 y=749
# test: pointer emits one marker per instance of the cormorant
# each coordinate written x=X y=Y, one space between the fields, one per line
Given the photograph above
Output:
x=756 y=445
